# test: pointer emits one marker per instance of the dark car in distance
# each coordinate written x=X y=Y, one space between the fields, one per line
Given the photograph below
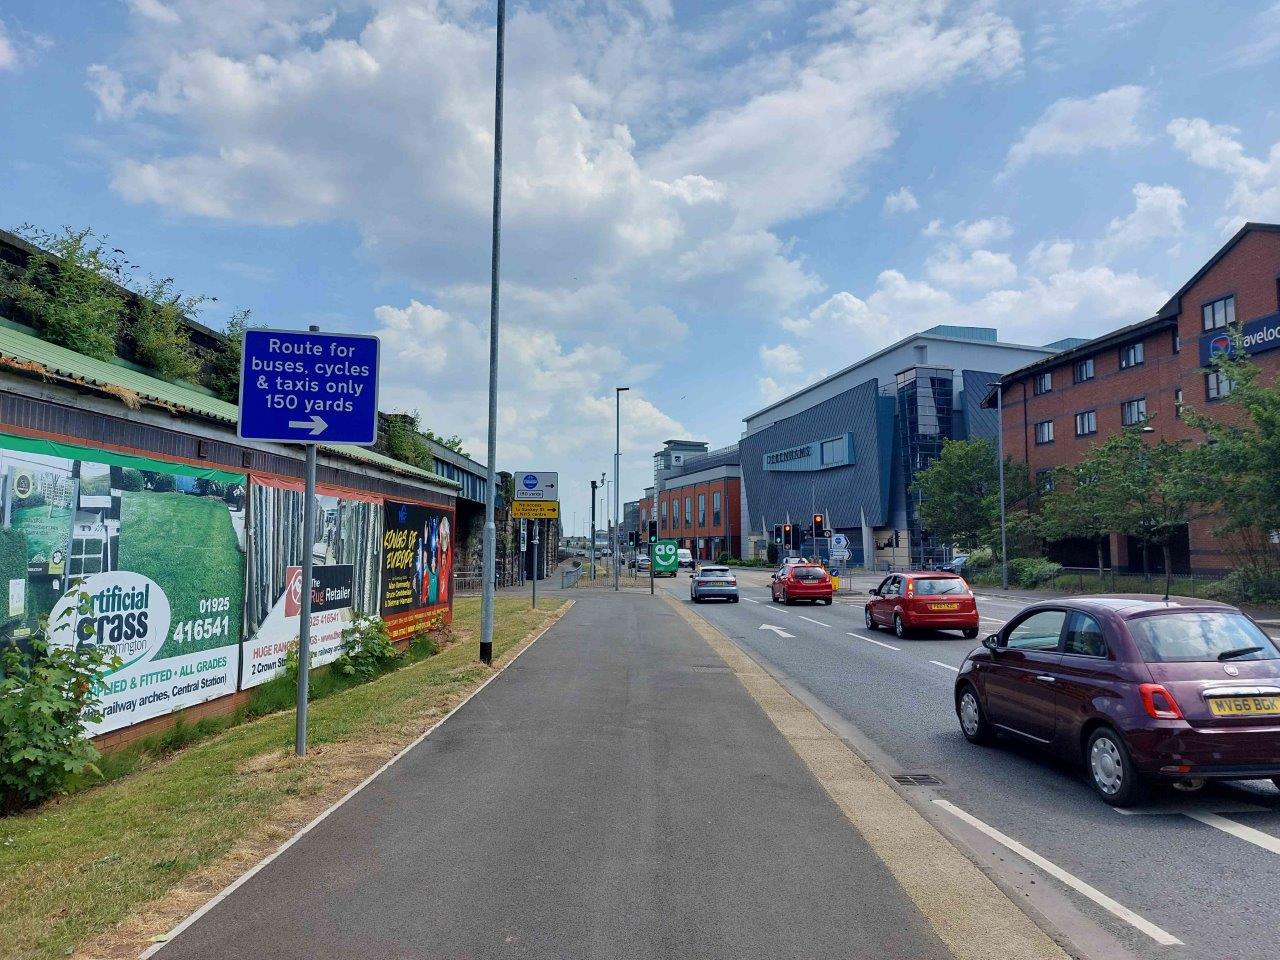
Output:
x=922 y=600
x=1138 y=688
x=802 y=581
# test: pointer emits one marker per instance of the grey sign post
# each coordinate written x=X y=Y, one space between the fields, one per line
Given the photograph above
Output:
x=308 y=387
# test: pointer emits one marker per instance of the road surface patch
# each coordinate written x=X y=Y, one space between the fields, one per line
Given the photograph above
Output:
x=971 y=916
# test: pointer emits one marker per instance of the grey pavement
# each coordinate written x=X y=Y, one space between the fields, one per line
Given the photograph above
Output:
x=614 y=793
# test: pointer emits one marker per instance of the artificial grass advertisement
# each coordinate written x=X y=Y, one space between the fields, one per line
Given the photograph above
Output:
x=144 y=557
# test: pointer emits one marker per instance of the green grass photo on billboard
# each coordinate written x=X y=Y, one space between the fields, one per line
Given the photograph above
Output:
x=46 y=528
x=188 y=546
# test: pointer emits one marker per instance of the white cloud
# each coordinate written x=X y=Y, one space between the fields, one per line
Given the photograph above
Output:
x=1255 y=186
x=784 y=359
x=154 y=10
x=8 y=55
x=1156 y=215
x=901 y=200
x=107 y=87
x=981 y=268
x=972 y=233
x=1070 y=127
x=770 y=390
x=1051 y=256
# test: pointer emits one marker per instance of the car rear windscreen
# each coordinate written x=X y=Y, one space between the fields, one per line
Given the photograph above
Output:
x=938 y=586
x=714 y=572
x=1192 y=637
x=810 y=573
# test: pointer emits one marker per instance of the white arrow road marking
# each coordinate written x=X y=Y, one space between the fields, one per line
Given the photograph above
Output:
x=1055 y=871
x=818 y=622
x=778 y=630
x=1256 y=837
x=945 y=666
x=316 y=425
x=878 y=643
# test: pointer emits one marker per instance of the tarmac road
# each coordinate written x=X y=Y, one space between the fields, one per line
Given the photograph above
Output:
x=1212 y=883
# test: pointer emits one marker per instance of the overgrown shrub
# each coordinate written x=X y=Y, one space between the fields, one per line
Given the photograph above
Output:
x=1243 y=586
x=423 y=645
x=48 y=694
x=159 y=333
x=1029 y=572
x=980 y=559
x=366 y=649
x=223 y=373
x=131 y=480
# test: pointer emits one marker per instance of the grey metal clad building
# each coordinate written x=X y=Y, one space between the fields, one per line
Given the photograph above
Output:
x=848 y=445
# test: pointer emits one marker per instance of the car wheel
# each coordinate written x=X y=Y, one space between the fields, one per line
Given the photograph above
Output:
x=870 y=620
x=971 y=633
x=1111 y=770
x=734 y=599
x=827 y=601
x=1276 y=782
x=973 y=721
x=899 y=628
x=786 y=600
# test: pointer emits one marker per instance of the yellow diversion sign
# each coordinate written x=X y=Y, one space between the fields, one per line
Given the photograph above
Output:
x=535 y=509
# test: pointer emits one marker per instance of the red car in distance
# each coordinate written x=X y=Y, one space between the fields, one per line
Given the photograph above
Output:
x=802 y=581
x=926 y=600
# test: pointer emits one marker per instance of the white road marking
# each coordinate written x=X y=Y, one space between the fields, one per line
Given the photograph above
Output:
x=749 y=600
x=818 y=622
x=878 y=643
x=1248 y=834
x=1053 y=870
x=945 y=666
x=778 y=630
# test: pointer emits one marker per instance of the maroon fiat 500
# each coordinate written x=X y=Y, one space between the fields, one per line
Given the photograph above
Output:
x=1138 y=687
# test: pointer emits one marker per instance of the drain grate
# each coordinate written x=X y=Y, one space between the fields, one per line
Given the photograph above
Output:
x=917 y=780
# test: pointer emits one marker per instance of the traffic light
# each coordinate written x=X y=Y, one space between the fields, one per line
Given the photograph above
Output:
x=787 y=534
x=819 y=525
x=777 y=534
x=631 y=538
x=653 y=530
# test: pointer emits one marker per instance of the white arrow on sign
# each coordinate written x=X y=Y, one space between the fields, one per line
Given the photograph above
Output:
x=316 y=424
x=778 y=630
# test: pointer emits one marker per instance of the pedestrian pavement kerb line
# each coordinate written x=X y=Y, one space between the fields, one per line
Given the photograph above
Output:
x=324 y=815
x=972 y=917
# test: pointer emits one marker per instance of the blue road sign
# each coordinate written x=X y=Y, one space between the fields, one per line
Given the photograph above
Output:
x=303 y=387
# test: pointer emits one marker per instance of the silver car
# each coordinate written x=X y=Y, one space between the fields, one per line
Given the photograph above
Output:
x=713 y=583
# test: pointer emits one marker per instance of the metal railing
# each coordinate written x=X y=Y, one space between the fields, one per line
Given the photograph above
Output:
x=569 y=578
x=466 y=581
x=1085 y=579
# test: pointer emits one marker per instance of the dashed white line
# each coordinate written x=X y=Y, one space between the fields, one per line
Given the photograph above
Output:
x=818 y=622
x=749 y=600
x=878 y=643
x=1248 y=834
x=1055 y=871
x=945 y=666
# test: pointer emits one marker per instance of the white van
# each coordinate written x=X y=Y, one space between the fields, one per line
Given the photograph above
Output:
x=685 y=558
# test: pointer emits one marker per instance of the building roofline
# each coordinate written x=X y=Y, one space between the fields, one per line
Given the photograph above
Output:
x=922 y=335
x=1173 y=306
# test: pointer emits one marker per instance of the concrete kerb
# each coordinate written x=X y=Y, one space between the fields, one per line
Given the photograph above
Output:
x=973 y=917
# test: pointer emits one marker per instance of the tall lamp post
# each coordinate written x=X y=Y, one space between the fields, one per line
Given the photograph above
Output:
x=490 y=528
x=617 y=488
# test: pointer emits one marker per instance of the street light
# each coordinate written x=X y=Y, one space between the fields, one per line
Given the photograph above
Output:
x=490 y=528
x=617 y=489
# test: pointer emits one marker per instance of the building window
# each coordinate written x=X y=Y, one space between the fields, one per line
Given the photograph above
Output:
x=1084 y=370
x=688 y=511
x=1045 y=480
x=1133 y=412
x=715 y=508
x=1086 y=423
x=1177 y=403
x=664 y=515
x=1131 y=355
x=1177 y=341
x=1217 y=385
x=1044 y=432
x=702 y=509
x=833 y=451
x=1043 y=383
x=1219 y=313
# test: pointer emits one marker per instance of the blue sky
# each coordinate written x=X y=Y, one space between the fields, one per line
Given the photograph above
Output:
x=713 y=203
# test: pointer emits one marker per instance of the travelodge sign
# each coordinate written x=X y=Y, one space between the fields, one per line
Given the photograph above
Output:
x=1259 y=336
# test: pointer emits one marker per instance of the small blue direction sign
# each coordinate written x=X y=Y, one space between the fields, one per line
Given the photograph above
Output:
x=305 y=387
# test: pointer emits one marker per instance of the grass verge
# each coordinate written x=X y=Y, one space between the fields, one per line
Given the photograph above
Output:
x=105 y=870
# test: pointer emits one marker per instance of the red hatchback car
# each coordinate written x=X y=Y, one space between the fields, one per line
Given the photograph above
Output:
x=922 y=601
x=802 y=581
x=1138 y=687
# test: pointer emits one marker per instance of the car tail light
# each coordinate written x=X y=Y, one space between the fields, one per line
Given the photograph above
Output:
x=1159 y=702
x=733 y=581
x=911 y=588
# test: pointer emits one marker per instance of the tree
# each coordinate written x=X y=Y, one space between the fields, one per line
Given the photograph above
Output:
x=223 y=377
x=960 y=493
x=1239 y=467
x=1156 y=487
x=160 y=335
x=1082 y=505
